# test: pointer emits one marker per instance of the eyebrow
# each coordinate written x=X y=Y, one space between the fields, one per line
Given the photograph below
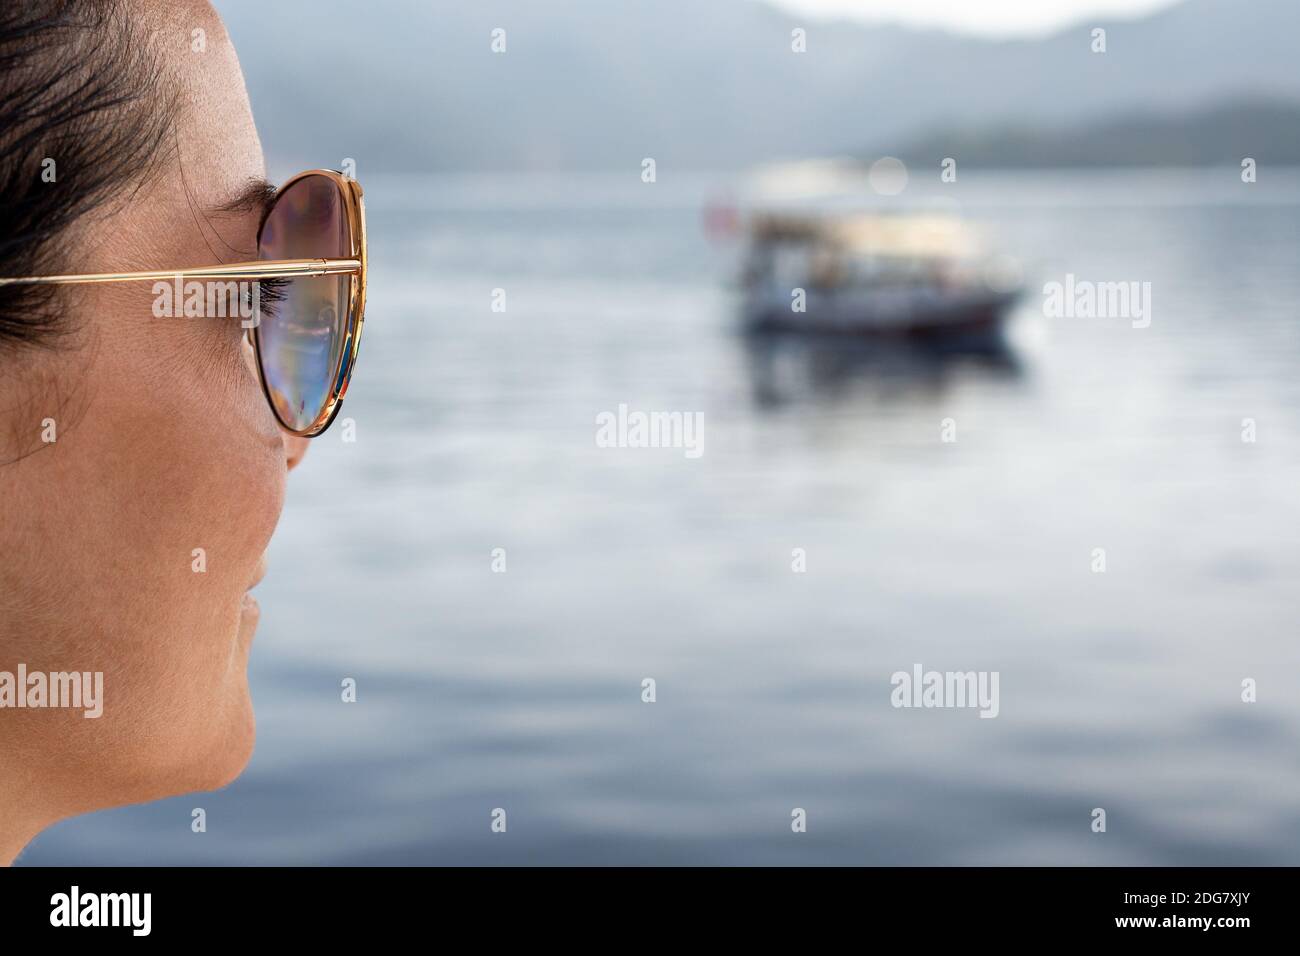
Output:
x=256 y=195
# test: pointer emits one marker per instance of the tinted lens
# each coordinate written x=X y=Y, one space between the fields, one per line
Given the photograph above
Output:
x=301 y=333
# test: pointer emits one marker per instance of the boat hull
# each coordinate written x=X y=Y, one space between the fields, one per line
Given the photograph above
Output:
x=879 y=313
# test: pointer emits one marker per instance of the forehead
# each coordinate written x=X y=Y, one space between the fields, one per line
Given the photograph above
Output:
x=216 y=138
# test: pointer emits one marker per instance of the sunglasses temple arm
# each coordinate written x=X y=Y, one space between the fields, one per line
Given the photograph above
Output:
x=263 y=269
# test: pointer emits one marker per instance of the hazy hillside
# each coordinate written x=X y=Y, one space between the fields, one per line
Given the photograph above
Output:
x=1267 y=131
x=412 y=84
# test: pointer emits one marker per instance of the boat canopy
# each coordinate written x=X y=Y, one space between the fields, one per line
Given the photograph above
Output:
x=894 y=236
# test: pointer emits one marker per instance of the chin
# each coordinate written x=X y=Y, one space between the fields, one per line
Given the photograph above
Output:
x=216 y=746
x=229 y=740
x=186 y=723
x=232 y=753
x=210 y=756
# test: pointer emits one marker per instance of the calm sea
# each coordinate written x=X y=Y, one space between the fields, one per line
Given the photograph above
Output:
x=522 y=690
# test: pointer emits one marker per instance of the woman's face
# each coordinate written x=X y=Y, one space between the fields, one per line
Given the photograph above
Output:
x=129 y=544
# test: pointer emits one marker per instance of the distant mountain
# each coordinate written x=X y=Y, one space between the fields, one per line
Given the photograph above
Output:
x=413 y=84
x=1266 y=131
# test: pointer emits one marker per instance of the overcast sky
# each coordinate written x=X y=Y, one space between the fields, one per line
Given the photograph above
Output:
x=989 y=17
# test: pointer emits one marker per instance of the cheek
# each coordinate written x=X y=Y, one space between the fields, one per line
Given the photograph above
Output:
x=192 y=484
x=199 y=485
x=208 y=464
x=143 y=527
x=213 y=500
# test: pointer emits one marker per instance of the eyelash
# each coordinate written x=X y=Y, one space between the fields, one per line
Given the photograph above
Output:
x=270 y=292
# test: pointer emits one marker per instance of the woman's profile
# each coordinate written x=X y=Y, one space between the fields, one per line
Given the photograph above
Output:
x=173 y=330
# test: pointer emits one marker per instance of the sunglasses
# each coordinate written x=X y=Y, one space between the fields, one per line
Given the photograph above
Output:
x=310 y=276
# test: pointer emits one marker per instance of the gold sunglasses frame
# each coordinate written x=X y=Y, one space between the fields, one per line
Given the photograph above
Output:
x=354 y=265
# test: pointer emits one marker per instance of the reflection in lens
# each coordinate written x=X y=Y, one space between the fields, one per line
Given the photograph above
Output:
x=300 y=335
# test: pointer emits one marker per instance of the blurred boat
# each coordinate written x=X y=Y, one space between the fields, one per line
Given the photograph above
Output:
x=873 y=274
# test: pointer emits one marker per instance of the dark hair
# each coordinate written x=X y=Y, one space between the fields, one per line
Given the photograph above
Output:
x=80 y=86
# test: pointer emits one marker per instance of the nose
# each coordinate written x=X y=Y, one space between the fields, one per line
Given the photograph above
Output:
x=295 y=450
